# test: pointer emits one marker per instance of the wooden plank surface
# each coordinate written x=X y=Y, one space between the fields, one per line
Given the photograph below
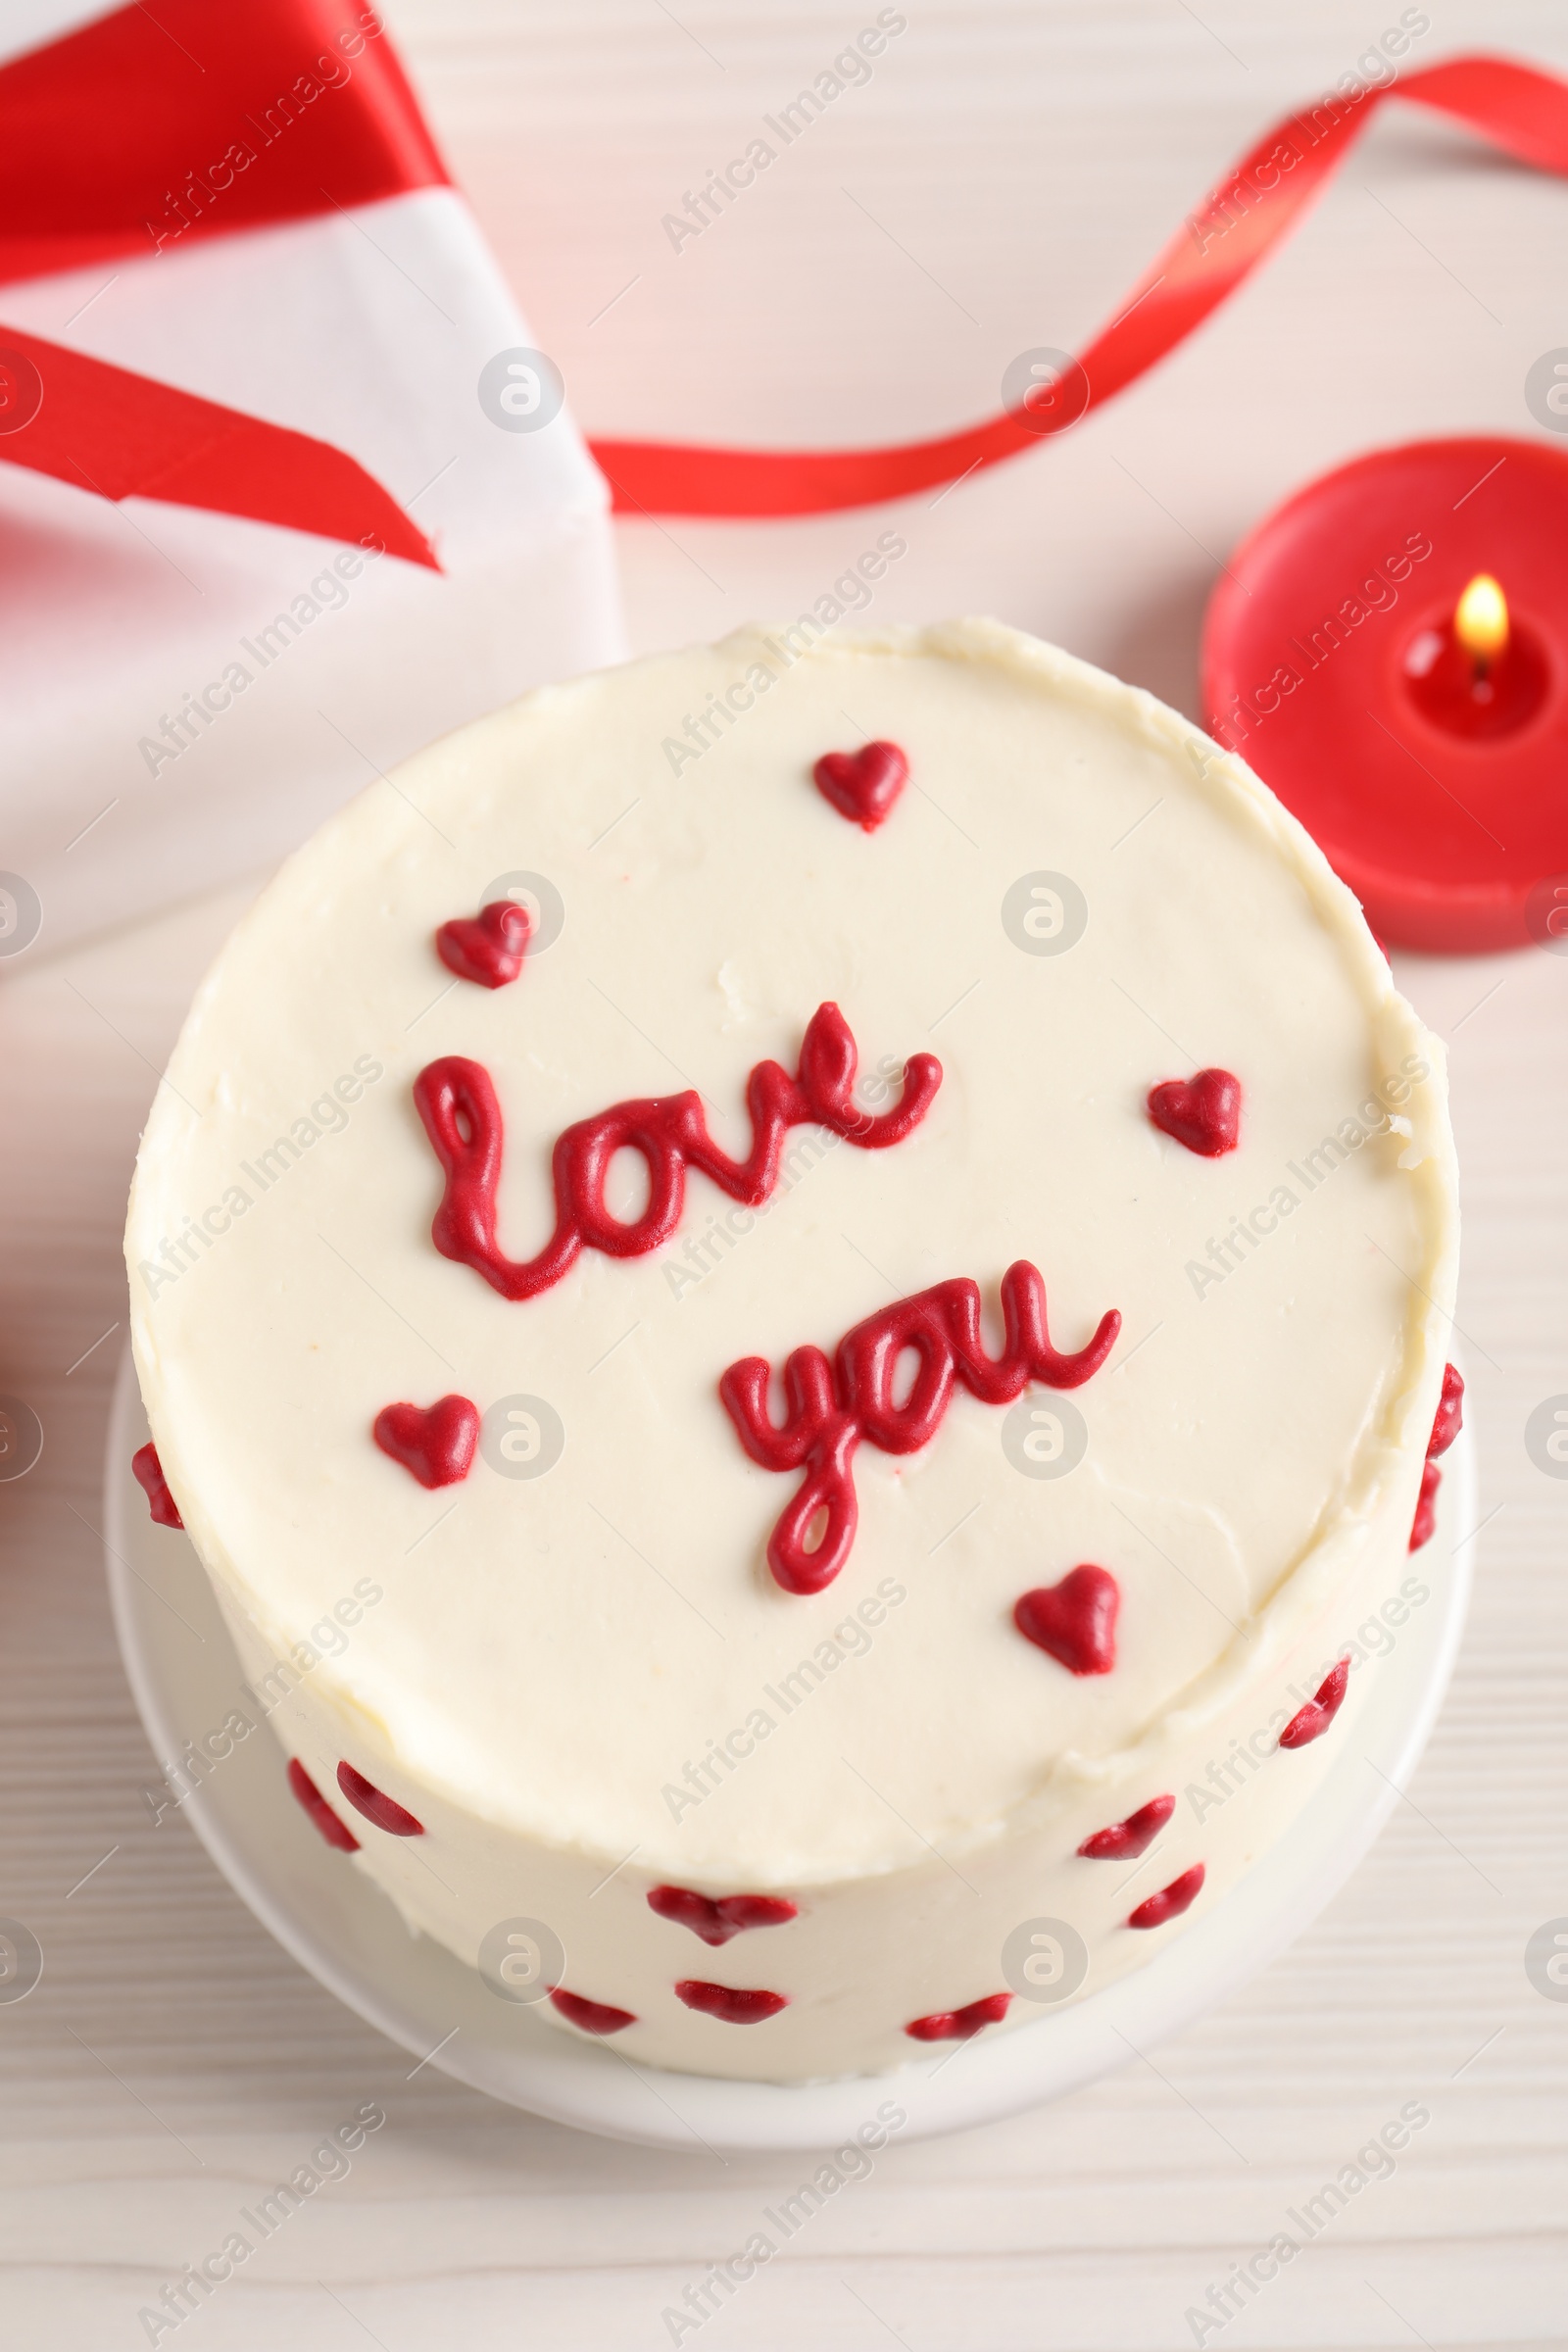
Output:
x=998 y=186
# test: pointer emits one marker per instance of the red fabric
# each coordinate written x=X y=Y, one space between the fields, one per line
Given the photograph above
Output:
x=125 y=137
x=1523 y=112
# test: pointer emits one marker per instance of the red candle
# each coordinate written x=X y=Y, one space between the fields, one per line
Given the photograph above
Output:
x=1389 y=649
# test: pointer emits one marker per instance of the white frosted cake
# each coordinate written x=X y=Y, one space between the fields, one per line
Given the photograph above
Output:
x=796 y=1296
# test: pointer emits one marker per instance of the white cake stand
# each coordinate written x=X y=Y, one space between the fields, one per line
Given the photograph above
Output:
x=185 y=1678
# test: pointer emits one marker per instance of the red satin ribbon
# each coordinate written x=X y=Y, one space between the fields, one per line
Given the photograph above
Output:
x=127 y=137
x=153 y=111
x=1239 y=223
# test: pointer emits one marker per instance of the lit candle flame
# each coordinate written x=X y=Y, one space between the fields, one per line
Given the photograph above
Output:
x=1481 y=618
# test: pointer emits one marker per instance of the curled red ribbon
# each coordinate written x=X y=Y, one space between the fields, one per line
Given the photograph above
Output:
x=155 y=109
x=1239 y=223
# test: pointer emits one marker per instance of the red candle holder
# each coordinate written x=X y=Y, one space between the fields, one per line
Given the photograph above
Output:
x=1431 y=770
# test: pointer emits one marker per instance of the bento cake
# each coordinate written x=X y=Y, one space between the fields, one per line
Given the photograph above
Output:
x=796 y=1296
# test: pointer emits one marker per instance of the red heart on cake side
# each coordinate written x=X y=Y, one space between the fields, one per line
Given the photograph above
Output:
x=1171 y=1901
x=1204 y=1112
x=863 y=785
x=436 y=1442
x=336 y=1833
x=1450 y=1416
x=1315 y=1718
x=1424 y=1526
x=486 y=947
x=960 y=2025
x=1075 y=1620
x=1125 y=1840
x=717 y=1920
x=730 y=2002
x=148 y=1472
x=375 y=1804
x=591 y=2017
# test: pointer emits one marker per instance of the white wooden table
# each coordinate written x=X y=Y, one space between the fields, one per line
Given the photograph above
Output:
x=999 y=184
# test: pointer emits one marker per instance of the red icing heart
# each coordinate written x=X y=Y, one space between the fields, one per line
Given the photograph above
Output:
x=1446 y=1427
x=1320 y=1712
x=1424 y=1526
x=1075 y=1620
x=728 y=2002
x=1171 y=1901
x=386 y=1811
x=957 y=2025
x=1125 y=1840
x=1204 y=1112
x=436 y=1442
x=1451 y=1413
x=716 y=1922
x=863 y=785
x=336 y=1833
x=487 y=947
x=148 y=1472
x=591 y=2017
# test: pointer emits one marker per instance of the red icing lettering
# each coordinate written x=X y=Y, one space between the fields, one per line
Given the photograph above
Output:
x=1315 y=1718
x=716 y=1921
x=957 y=2025
x=728 y=2002
x=462 y=1117
x=1204 y=1112
x=148 y=1472
x=863 y=785
x=1451 y=1413
x=1424 y=1526
x=1075 y=1620
x=367 y=1798
x=436 y=1442
x=486 y=947
x=336 y=1833
x=1125 y=1840
x=591 y=2017
x=1171 y=1901
x=832 y=1407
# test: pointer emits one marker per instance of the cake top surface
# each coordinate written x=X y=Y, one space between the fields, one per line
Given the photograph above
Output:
x=1074 y=899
